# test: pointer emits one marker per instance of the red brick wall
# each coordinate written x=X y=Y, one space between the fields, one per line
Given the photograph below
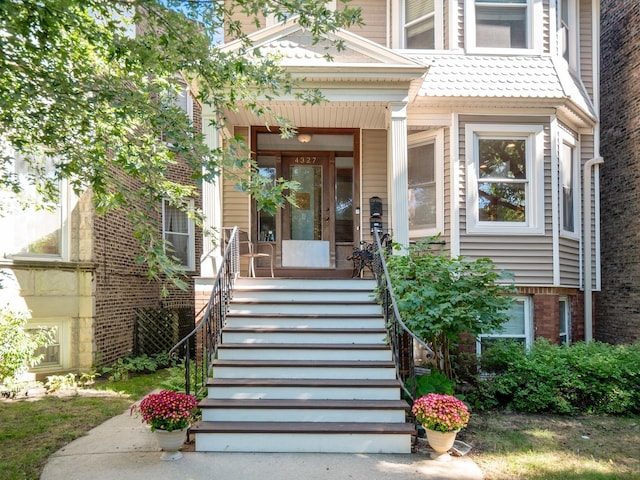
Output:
x=121 y=285
x=617 y=313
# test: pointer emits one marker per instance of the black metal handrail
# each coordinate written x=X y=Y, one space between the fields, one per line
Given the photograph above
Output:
x=200 y=347
x=401 y=338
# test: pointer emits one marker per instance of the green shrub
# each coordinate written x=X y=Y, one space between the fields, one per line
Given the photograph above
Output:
x=442 y=297
x=582 y=379
x=434 y=382
x=18 y=351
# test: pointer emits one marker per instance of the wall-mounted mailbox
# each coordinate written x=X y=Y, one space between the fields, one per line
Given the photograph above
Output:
x=375 y=207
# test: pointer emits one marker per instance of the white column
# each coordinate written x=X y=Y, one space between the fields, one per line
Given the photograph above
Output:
x=398 y=181
x=211 y=201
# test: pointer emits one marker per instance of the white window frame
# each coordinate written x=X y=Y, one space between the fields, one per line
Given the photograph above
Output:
x=534 y=193
x=567 y=321
x=534 y=16
x=63 y=333
x=571 y=26
x=527 y=305
x=16 y=215
x=399 y=27
x=437 y=139
x=569 y=165
x=191 y=244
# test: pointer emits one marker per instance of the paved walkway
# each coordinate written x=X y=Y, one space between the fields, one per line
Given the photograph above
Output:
x=123 y=448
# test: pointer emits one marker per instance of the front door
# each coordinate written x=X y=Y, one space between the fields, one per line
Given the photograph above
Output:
x=308 y=239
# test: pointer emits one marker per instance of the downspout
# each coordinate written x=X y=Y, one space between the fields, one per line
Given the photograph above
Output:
x=588 y=276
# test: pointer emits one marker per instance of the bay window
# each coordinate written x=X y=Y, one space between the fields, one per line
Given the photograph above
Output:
x=504 y=179
x=568 y=197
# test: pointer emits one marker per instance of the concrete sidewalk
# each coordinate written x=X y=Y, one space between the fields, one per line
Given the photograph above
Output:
x=123 y=448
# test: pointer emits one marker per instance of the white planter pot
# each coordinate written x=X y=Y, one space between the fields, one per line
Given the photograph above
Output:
x=441 y=443
x=171 y=443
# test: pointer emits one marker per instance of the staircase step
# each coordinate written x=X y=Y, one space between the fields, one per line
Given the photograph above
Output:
x=304 y=296
x=321 y=437
x=290 y=388
x=304 y=369
x=361 y=308
x=277 y=320
x=305 y=410
x=264 y=283
x=304 y=351
x=303 y=335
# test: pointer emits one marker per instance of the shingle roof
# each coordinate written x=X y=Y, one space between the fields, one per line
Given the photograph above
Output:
x=489 y=76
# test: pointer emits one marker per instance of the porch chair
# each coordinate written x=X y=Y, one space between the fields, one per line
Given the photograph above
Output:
x=249 y=250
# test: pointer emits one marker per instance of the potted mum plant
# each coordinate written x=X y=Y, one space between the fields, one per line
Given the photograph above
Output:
x=169 y=414
x=442 y=417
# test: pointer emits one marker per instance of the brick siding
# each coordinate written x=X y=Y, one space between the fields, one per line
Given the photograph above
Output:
x=121 y=285
x=617 y=310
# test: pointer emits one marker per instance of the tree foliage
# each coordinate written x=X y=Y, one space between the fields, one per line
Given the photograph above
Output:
x=77 y=86
x=442 y=297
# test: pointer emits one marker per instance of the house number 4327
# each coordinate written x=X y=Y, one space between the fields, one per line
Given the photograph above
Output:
x=305 y=159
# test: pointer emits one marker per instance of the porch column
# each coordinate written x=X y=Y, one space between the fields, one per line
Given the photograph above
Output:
x=398 y=181
x=211 y=208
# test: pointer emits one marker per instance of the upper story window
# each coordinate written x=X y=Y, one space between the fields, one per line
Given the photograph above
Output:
x=504 y=179
x=32 y=227
x=425 y=178
x=420 y=25
x=568 y=29
x=501 y=25
x=179 y=233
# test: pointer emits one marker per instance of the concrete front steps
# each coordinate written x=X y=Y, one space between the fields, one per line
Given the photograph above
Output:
x=304 y=367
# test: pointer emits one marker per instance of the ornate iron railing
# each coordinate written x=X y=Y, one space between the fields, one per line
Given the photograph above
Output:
x=200 y=347
x=401 y=339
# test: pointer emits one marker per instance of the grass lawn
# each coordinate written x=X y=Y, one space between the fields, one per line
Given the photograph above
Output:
x=537 y=447
x=34 y=427
x=505 y=445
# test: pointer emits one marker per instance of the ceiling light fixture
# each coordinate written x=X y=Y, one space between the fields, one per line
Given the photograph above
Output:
x=304 y=138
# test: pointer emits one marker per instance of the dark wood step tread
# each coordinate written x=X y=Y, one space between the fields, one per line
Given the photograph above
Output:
x=304 y=404
x=304 y=363
x=304 y=427
x=304 y=346
x=302 y=382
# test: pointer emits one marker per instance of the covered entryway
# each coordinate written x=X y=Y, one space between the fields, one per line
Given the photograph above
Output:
x=319 y=231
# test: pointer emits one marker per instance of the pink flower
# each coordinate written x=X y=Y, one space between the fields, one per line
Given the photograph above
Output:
x=443 y=413
x=167 y=410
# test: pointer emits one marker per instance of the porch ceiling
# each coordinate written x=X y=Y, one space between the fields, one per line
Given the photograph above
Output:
x=369 y=115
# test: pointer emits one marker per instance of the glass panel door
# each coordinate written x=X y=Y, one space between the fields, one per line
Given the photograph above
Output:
x=306 y=219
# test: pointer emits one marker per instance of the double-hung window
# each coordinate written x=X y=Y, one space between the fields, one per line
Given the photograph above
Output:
x=501 y=24
x=425 y=185
x=420 y=24
x=179 y=236
x=568 y=28
x=33 y=227
x=518 y=328
x=568 y=164
x=505 y=171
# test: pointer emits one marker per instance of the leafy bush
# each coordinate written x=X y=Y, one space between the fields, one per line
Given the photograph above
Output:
x=442 y=297
x=434 y=382
x=19 y=346
x=123 y=368
x=584 y=378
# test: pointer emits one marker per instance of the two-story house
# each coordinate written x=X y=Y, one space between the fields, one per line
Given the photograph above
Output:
x=475 y=119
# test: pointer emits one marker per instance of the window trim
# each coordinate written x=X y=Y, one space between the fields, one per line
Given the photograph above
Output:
x=567 y=311
x=63 y=328
x=437 y=138
x=191 y=244
x=399 y=30
x=534 y=135
x=564 y=138
x=534 y=15
x=527 y=305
